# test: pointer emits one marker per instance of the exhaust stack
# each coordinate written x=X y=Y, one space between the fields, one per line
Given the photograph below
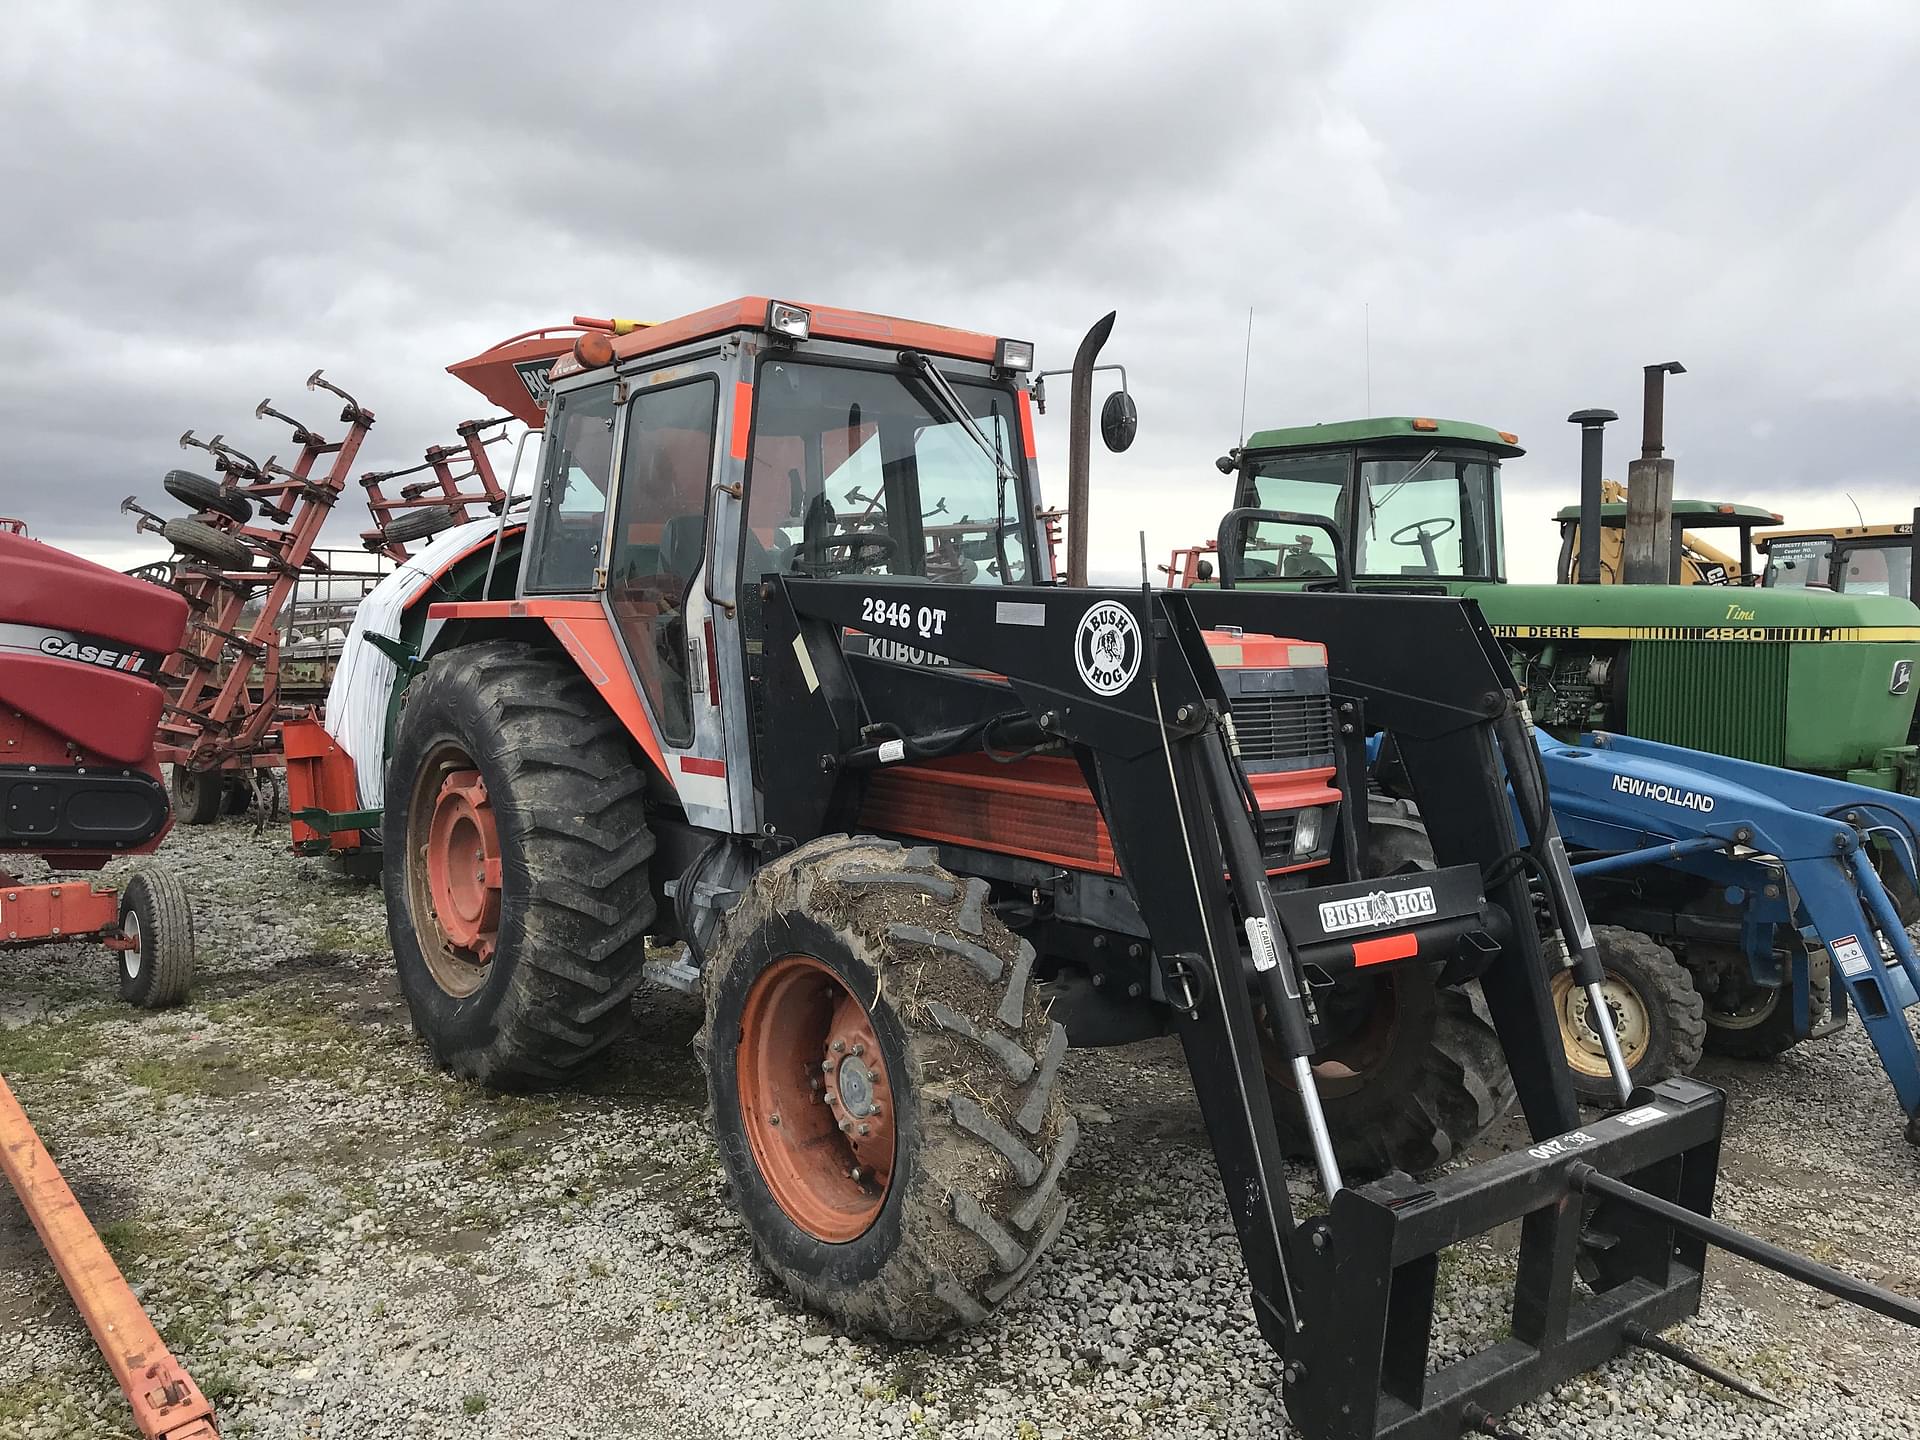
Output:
x=1592 y=423
x=1651 y=558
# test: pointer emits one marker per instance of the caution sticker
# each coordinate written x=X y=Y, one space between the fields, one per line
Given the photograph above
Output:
x=1850 y=955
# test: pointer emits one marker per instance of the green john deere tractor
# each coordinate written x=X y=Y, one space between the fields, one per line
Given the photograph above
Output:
x=1810 y=680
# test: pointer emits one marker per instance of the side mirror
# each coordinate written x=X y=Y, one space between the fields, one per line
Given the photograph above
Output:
x=1119 y=421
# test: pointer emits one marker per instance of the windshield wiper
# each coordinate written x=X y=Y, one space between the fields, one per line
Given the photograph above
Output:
x=948 y=400
x=1373 y=506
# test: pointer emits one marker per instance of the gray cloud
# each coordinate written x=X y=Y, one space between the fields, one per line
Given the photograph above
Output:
x=1522 y=203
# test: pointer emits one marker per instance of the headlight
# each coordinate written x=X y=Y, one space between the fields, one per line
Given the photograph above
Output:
x=1306 y=832
x=794 y=322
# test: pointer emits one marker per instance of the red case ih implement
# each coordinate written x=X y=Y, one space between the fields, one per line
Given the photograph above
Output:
x=924 y=817
x=80 y=648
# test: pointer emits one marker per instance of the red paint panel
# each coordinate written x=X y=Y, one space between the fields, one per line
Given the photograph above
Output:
x=695 y=765
x=1384 y=948
x=742 y=420
x=1026 y=424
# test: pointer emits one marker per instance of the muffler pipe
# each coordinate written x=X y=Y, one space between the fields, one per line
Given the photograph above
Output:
x=1080 y=448
x=1592 y=424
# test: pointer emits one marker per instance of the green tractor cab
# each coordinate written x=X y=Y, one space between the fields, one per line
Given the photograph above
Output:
x=1807 y=679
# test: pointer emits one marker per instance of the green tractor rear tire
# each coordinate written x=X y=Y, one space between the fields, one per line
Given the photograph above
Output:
x=516 y=865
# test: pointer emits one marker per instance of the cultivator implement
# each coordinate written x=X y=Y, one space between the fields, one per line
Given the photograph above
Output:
x=449 y=496
x=238 y=569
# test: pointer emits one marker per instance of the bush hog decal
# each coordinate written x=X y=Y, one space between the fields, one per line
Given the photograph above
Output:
x=1107 y=648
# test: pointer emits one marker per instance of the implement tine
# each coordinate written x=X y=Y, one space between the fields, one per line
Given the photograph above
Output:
x=1646 y=1339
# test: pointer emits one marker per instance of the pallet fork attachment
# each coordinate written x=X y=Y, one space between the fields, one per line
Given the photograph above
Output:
x=166 y=1404
x=1614 y=1216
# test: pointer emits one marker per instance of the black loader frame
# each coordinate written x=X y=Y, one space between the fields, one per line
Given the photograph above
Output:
x=1124 y=680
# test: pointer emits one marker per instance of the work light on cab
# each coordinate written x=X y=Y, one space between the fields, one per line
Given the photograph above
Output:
x=1013 y=355
x=795 y=322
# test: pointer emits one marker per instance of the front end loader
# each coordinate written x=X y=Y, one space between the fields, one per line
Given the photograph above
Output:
x=787 y=676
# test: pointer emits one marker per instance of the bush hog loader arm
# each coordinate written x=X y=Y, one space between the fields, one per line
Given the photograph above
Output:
x=1125 y=682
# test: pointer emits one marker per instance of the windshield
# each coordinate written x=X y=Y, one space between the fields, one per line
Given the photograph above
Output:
x=1798 y=563
x=859 y=471
x=1422 y=515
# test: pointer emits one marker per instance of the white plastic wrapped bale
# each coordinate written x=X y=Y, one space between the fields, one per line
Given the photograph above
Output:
x=356 y=714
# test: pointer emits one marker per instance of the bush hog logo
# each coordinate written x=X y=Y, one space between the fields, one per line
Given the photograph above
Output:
x=1665 y=794
x=1107 y=648
x=64 y=646
x=1382 y=907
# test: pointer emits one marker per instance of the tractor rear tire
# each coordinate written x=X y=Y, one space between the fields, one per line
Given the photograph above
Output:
x=204 y=494
x=1658 y=1015
x=418 y=524
x=204 y=542
x=515 y=867
x=155 y=915
x=1433 y=1079
x=198 y=795
x=1763 y=1027
x=861 y=940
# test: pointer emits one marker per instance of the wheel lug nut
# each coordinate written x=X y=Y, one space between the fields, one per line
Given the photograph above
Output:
x=863 y=1129
x=846 y=1125
x=840 y=1045
x=773 y=1119
x=859 y=1049
x=831 y=1098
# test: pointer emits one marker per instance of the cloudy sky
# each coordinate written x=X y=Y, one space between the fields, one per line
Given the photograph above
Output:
x=1523 y=203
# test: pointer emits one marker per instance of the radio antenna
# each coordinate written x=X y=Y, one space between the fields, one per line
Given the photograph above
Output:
x=1366 y=322
x=1246 y=369
x=1856 y=510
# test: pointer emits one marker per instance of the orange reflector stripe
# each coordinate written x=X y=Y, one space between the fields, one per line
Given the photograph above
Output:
x=1385 y=948
x=742 y=419
x=1026 y=423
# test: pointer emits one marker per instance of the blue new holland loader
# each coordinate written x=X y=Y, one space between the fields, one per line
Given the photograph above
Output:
x=1766 y=881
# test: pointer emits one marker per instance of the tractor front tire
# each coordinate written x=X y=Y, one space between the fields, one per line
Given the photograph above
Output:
x=884 y=1091
x=1758 y=1023
x=198 y=795
x=157 y=971
x=515 y=867
x=1658 y=1016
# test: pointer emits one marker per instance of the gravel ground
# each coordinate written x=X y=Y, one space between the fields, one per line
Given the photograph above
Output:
x=340 y=1241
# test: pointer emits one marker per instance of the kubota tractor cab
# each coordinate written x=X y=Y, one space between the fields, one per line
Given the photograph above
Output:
x=1798 y=679
x=786 y=676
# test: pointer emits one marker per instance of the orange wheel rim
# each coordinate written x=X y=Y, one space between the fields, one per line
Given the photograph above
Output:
x=454 y=878
x=816 y=1101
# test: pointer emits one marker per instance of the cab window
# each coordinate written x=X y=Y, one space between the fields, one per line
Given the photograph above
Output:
x=1797 y=563
x=571 y=512
x=1428 y=516
x=859 y=471
x=1302 y=485
x=659 y=540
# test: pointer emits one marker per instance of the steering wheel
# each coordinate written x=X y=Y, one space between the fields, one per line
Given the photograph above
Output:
x=1418 y=534
x=845 y=553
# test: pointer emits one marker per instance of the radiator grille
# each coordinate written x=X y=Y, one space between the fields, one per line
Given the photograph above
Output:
x=1727 y=699
x=1284 y=727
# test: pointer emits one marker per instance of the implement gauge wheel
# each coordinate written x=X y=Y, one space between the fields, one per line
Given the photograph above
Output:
x=516 y=875
x=157 y=971
x=883 y=1082
x=203 y=542
x=204 y=494
x=198 y=795
x=1658 y=1016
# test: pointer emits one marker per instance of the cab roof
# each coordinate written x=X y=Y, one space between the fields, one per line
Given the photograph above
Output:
x=1900 y=533
x=501 y=372
x=1699 y=514
x=1388 y=427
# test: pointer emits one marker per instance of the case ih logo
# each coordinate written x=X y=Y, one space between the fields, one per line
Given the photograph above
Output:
x=1902 y=680
x=1107 y=647
x=63 y=645
x=1382 y=907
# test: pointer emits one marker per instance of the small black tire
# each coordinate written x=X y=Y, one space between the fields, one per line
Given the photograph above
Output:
x=198 y=795
x=981 y=1136
x=566 y=789
x=158 y=971
x=1762 y=1025
x=204 y=542
x=418 y=524
x=1659 y=1017
x=209 y=495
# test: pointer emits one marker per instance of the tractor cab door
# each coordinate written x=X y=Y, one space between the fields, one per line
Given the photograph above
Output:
x=622 y=517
